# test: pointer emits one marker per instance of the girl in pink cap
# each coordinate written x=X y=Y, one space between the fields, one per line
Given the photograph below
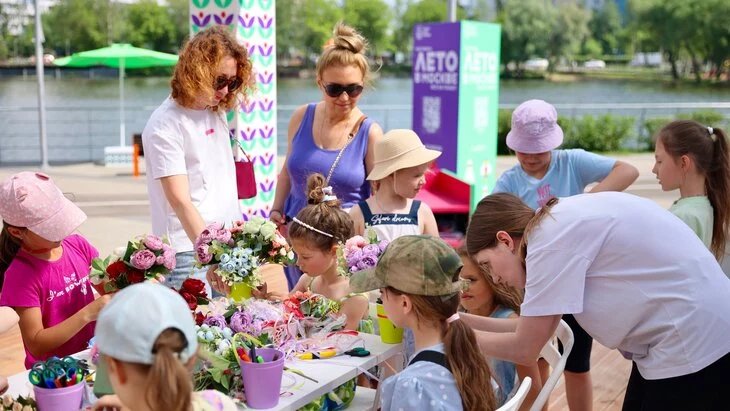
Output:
x=44 y=268
x=545 y=172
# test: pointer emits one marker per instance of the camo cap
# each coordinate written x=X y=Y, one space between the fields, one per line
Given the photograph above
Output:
x=413 y=264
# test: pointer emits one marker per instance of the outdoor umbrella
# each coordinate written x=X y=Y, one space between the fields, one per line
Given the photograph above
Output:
x=122 y=56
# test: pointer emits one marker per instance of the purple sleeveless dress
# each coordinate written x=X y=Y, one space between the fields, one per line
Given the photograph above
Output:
x=348 y=180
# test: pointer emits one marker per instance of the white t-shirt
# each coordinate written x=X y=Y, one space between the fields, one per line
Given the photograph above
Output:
x=636 y=278
x=178 y=141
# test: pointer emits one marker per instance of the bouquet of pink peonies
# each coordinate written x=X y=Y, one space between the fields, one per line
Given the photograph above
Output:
x=360 y=253
x=147 y=258
x=241 y=250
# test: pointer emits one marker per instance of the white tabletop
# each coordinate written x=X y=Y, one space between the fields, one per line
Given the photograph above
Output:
x=331 y=373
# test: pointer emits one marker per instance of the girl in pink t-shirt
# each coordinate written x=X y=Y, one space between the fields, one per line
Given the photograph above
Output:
x=44 y=270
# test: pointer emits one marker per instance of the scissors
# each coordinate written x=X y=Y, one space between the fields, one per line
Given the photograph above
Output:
x=58 y=372
x=47 y=377
x=319 y=355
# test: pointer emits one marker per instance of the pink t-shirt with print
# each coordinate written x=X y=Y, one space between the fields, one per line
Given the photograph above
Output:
x=59 y=288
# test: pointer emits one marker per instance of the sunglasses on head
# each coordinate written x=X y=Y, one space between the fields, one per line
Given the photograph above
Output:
x=233 y=83
x=336 y=90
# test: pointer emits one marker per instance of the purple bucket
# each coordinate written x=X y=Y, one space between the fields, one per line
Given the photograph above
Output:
x=262 y=381
x=60 y=399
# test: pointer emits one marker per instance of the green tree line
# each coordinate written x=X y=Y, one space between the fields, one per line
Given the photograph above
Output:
x=692 y=35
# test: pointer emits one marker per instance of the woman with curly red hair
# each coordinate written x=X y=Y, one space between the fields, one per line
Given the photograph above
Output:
x=191 y=177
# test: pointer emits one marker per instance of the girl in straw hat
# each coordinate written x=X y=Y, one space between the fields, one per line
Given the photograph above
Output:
x=401 y=162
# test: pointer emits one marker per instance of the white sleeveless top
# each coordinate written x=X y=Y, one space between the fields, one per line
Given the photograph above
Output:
x=391 y=226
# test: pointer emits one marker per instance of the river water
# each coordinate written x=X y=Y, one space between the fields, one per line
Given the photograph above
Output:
x=83 y=114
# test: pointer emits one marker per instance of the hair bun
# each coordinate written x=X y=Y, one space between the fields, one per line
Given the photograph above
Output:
x=347 y=38
x=317 y=193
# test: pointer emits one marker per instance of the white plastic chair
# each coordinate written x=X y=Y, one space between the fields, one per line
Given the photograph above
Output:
x=514 y=403
x=557 y=362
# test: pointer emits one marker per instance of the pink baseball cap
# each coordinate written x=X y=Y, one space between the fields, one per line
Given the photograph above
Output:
x=535 y=128
x=32 y=201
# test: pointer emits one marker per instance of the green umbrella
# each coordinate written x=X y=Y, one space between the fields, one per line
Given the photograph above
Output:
x=122 y=56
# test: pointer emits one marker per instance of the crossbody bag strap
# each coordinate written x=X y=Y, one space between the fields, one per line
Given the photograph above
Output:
x=240 y=146
x=435 y=357
x=350 y=137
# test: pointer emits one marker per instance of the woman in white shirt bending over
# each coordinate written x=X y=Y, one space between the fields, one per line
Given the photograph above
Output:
x=634 y=276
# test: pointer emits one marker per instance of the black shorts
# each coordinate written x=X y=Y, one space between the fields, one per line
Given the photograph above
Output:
x=579 y=359
x=706 y=390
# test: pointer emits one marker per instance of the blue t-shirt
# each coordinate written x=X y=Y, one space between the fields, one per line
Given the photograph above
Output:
x=569 y=173
x=422 y=386
x=503 y=371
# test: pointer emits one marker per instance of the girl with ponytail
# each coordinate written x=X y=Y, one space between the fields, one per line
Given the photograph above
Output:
x=694 y=159
x=418 y=278
x=147 y=337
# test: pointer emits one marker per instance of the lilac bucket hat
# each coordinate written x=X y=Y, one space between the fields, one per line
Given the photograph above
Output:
x=535 y=128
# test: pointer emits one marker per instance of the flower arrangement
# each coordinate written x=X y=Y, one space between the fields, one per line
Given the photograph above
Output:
x=227 y=328
x=242 y=249
x=360 y=253
x=146 y=258
x=308 y=305
x=20 y=403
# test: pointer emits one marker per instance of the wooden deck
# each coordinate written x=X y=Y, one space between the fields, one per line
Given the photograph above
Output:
x=610 y=373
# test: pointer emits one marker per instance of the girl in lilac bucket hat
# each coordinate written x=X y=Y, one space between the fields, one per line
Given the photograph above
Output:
x=544 y=172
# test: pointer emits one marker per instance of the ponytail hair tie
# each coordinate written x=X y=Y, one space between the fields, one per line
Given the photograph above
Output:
x=452 y=318
x=328 y=194
x=712 y=133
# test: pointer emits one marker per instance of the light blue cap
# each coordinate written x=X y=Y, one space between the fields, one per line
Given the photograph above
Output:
x=131 y=322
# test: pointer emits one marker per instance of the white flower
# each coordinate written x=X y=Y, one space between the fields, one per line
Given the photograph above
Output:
x=268 y=230
x=290 y=255
x=253 y=225
x=118 y=253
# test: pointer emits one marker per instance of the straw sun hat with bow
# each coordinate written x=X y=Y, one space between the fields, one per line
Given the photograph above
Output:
x=399 y=149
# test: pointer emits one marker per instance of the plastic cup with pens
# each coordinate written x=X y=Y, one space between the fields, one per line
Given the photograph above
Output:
x=262 y=370
x=58 y=384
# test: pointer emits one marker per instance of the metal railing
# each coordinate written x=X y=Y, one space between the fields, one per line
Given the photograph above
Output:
x=79 y=134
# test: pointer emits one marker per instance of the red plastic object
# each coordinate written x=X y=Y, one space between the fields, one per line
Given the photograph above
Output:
x=445 y=193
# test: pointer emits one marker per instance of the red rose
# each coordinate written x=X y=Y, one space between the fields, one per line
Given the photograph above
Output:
x=199 y=318
x=135 y=276
x=116 y=269
x=194 y=287
x=190 y=299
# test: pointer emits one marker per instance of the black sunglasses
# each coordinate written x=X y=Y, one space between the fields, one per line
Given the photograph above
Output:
x=336 y=90
x=233 y=83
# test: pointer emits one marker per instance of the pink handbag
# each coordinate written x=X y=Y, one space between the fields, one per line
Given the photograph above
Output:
x=245 y=176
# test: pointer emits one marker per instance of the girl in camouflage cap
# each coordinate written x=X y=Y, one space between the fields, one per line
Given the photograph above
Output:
x=418 y=278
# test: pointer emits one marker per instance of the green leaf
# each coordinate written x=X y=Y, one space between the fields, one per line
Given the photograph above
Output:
x=130 y=250
x=98 y=264
x=226 y=381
